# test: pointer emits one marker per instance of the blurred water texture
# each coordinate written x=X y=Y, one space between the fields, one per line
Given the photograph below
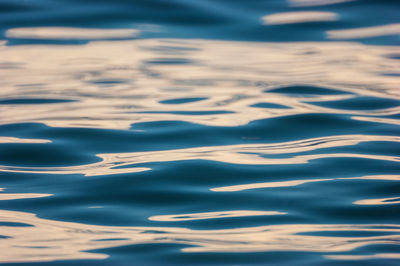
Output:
x=172 y=132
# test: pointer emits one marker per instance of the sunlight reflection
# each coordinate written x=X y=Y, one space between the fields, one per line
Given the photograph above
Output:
x=145 y=73
x=266 y=185
x=210 y=215
x=13 y=196
x=377 y=120
x=298 y=17
x=19 y=140
x=395 y=200
x=63 y=33
x=59 y=240
x=364 y=257
x=293 y=183
x=392 y=29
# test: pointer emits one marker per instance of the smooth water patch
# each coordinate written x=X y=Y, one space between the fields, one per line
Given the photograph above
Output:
x=361 y=103
x=182 y=100
x=269 y=105
x=34 y=101
x=306 y=90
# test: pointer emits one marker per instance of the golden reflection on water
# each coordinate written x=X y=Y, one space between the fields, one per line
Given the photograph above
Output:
x=60 y=33
x=366 y=32
x=394 y=200
x=298 y=17
x=116 y=83
x=364 y=257
x=293 y=183
x=49 y=240
x=266 y=185
x=210 y=215
x=13 y=196
x=19 y=140
x=377 y=120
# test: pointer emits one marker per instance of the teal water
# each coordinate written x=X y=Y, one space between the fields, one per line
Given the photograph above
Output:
x=172 y=132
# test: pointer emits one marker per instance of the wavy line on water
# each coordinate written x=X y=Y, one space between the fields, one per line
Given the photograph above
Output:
x=366 y=32
x=20 y=140
x=377 y=120
x=364 y=257
x=14 y=196
x=64 y=33
x=293 y=183
x=251 y=154
x=107 y=168
x=298 y=17
x=267 y=185
x=211 y=215
x=383 y=201
x=59 y=240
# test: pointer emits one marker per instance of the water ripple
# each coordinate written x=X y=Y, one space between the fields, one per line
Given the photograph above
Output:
x=199 y=132
x=48 y=240
x=250 y=154
x=73 y=73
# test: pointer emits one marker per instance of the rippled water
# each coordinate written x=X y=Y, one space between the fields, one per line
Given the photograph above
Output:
x=150 y=132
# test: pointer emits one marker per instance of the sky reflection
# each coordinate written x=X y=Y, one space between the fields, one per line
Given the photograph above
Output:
x=63 y=33
x=144 y=73
x=298 y=17
x=49 y=240
x=293 y=183
x=376 y=31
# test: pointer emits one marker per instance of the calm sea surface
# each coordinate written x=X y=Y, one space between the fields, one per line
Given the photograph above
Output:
x=200 y=132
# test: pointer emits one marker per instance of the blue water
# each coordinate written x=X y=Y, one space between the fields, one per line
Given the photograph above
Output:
x=183 y=132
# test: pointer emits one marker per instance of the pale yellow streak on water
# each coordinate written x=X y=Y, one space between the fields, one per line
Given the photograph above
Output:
x=211 y=215
x=377 y=120
x=266 y=185
x=298 y=17
x=367 y=32
x=20 y=140
x=12 y=196
x=381 y=177
x=293 y=183
x=364 y=257
x=65 y=33
x=383 y=201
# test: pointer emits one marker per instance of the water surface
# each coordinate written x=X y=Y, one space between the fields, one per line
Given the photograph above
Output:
x=199 y=132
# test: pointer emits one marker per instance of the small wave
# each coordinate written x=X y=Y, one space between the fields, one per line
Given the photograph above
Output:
x=255 y=154
x=211 y=215
x=66 y=240
x=367 y=32
x=298 y=17
x=63 y=33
